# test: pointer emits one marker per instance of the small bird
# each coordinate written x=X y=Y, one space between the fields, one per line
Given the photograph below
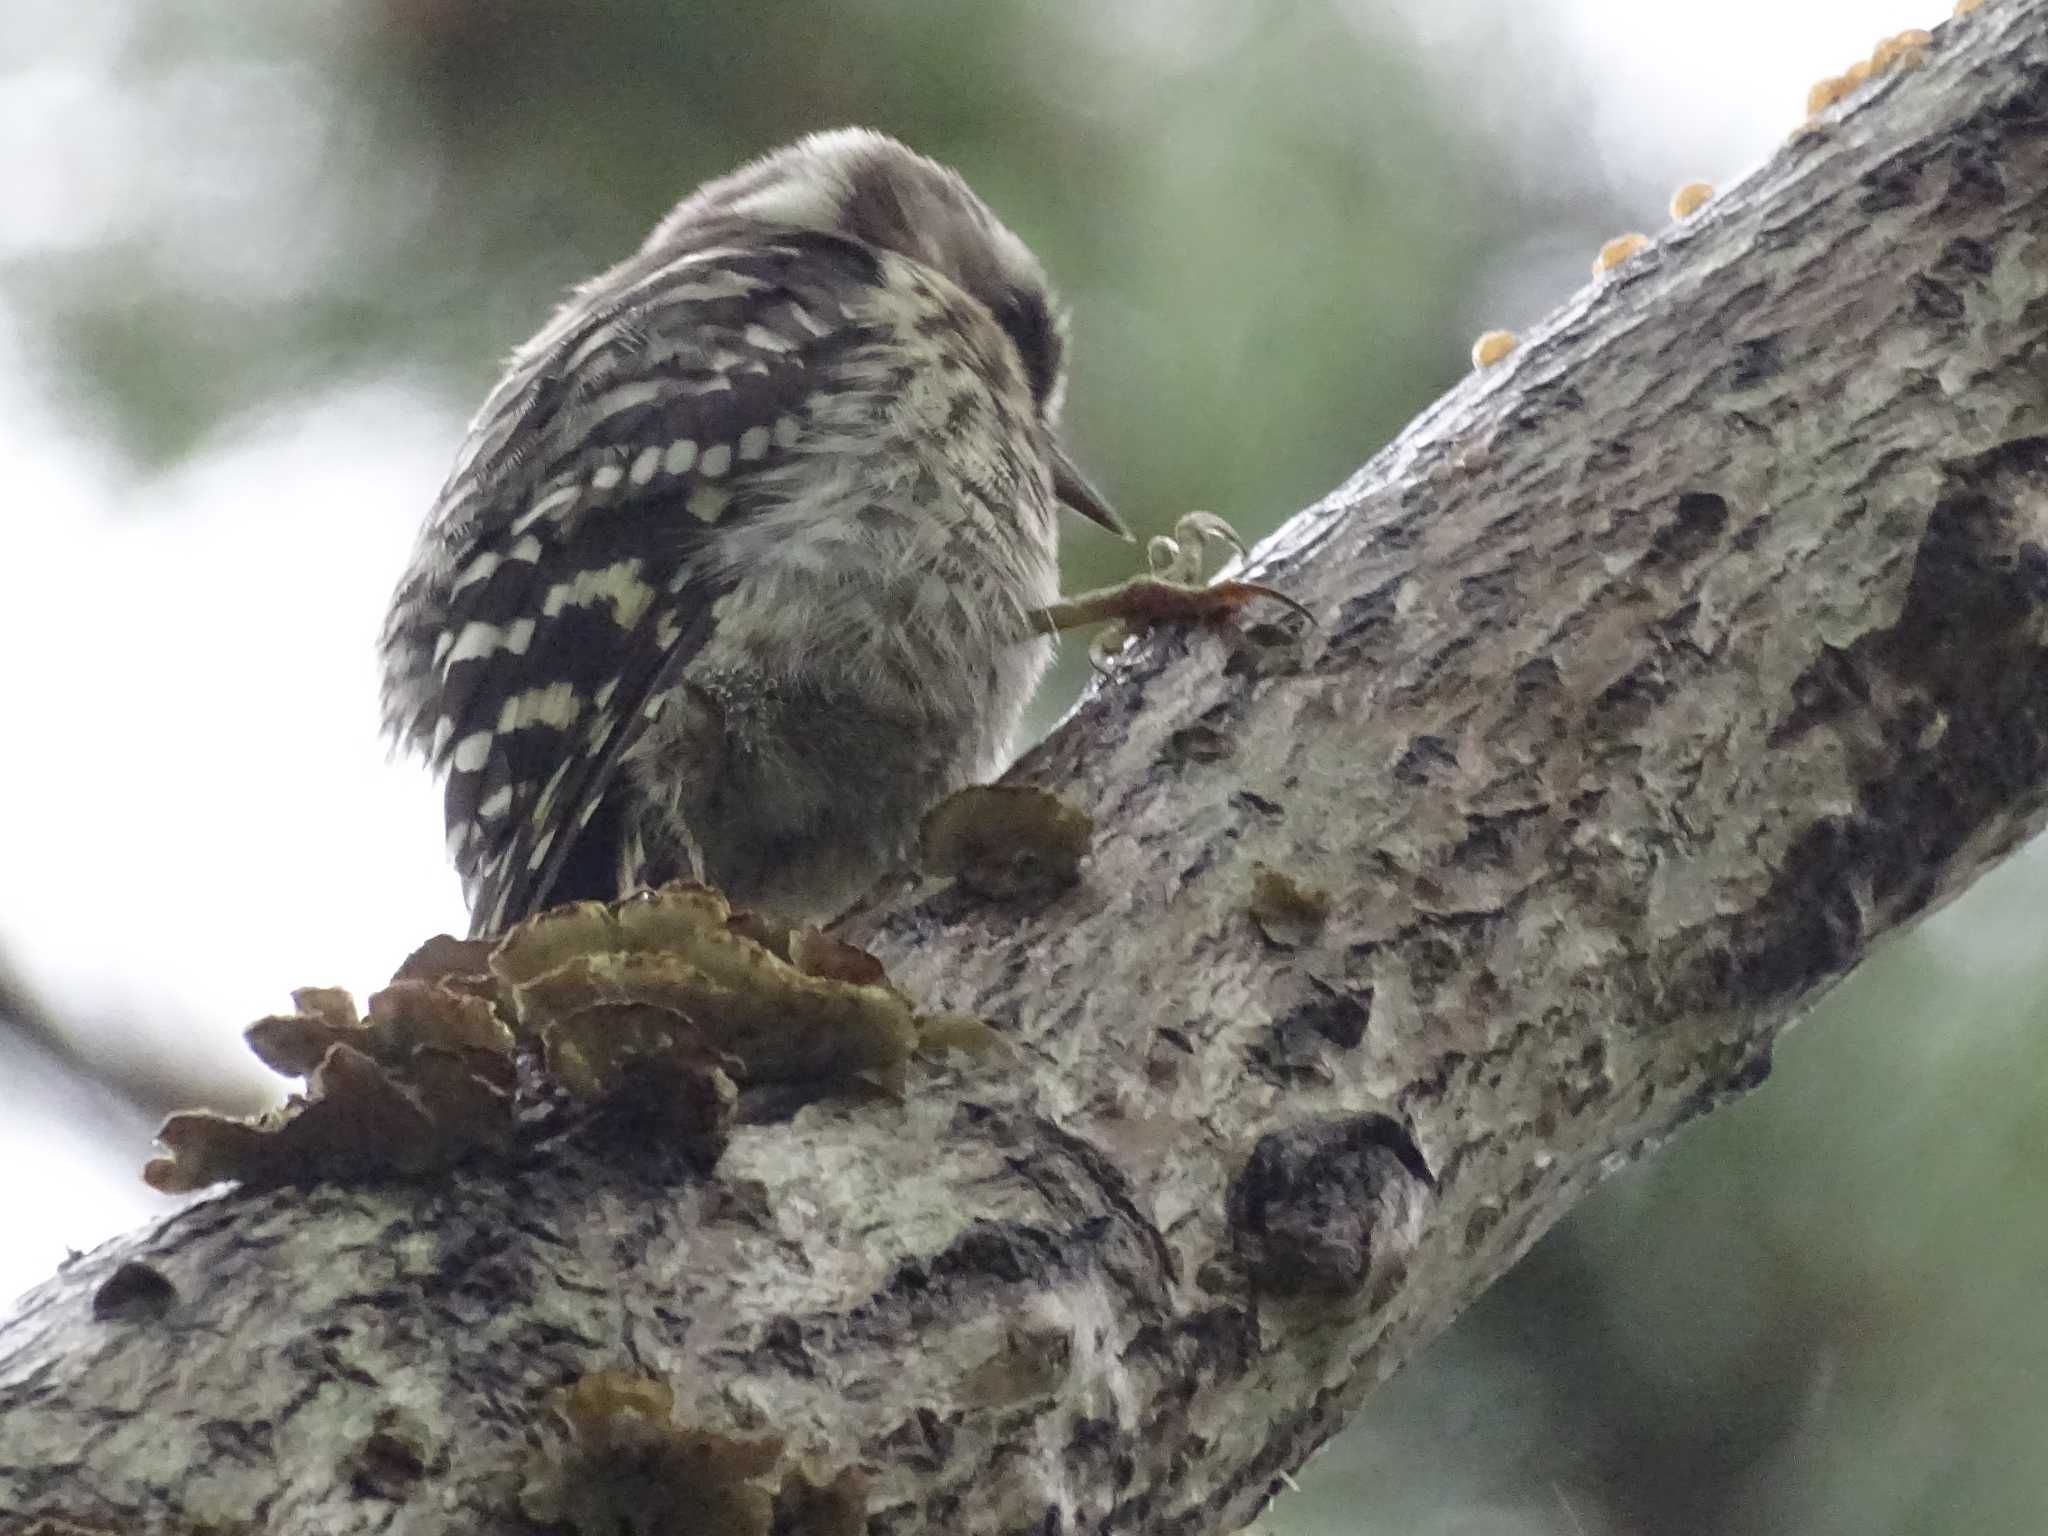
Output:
x=746 y=561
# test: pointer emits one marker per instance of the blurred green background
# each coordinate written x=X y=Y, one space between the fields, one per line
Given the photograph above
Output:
x=257 y=263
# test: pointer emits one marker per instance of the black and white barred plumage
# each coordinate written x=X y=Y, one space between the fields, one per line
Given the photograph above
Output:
x=735 y=575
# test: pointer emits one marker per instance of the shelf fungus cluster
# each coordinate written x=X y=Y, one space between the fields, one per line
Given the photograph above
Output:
x=628 y=1465
x=1902 y=50
x=668 y=1002
x=1004 y=841
x=425 y=1079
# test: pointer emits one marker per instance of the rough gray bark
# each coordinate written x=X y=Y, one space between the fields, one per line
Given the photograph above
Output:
x=1660 y=671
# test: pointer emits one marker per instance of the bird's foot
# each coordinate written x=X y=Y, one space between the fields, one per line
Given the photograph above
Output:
x=1173 y=591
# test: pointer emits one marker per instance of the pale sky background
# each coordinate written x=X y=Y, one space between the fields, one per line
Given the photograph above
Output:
x=226 y=644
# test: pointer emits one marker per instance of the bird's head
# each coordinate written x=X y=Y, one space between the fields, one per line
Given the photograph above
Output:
x=866 y=186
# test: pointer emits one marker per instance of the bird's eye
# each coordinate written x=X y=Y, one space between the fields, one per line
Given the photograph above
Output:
x=1023 y=315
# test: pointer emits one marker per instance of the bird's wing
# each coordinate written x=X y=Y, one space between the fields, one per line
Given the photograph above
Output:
x=563 y=576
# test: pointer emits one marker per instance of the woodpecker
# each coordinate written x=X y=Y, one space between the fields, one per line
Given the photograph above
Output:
x=743 y=564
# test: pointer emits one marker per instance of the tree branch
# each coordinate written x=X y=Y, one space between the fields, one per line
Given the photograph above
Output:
x=1659 y=672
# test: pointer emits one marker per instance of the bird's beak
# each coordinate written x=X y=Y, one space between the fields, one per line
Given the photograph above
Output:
x=1073 y=490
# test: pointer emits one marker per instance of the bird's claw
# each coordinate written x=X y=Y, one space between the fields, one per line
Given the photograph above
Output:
x=1173 y=592
x=1183 y=555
